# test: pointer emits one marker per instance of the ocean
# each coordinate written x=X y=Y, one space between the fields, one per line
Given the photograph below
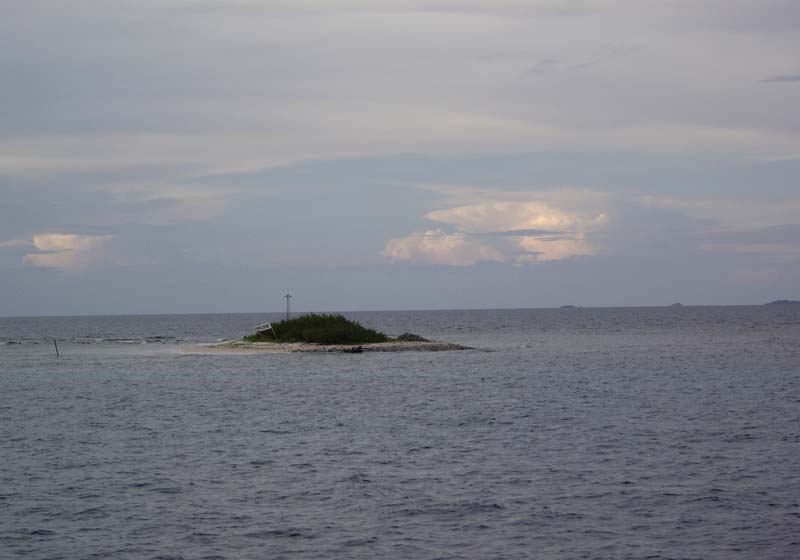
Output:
x=567 y=433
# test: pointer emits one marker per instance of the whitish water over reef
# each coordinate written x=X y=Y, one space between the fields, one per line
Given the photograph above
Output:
x=571 y=433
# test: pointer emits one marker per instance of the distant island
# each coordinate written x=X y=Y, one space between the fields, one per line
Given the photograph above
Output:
x=323 y=333
x=676 y=305
x=568 y=307
x=784 y=302
x=318 y=328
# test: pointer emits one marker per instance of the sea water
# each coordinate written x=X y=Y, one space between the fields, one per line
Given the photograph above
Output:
x=568 y=433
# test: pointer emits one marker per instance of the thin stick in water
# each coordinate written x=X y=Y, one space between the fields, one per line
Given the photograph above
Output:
x=56 y=345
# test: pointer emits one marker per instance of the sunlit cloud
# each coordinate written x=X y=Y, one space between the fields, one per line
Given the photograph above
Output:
x=438 y=247
x=504 y=216
x=513 y=231
x=68 y=252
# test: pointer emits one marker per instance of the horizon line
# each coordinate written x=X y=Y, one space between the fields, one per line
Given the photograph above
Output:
x=408 y=310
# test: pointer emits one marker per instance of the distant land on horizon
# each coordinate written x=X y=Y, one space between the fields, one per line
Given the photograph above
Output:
x=784 y=302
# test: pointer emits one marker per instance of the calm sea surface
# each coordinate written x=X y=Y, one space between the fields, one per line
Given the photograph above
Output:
x=570 y=433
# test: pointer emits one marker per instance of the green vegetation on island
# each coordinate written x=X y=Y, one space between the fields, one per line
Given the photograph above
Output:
x=319 y=329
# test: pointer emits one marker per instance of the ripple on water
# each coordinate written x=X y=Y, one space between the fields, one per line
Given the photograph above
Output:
x=585 y=434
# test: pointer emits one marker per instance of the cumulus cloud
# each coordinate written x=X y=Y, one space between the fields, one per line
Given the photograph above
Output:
x=513 y=231
x=438 y=247
x=68 y=252
x=495 y=215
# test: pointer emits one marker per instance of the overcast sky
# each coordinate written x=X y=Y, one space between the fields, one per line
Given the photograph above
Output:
x=162 y=156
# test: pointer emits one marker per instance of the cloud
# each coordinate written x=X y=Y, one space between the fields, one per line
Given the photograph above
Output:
x=500 y=8
x=68 y=252
x=512 y=231
x=166 y=204
x=740 y=215
x=520 y=233
x=781 y=79
x=438 y=247
x=594 y=56
x=531 y=227
x=134 y=119
x=13 y=243
x=497 y=216
x=553 y=249
x=760 y=248
x=241 y=84
x=785 y=234
x=782 y=241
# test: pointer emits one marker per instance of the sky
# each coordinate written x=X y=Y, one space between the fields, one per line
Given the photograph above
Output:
x=179 y=156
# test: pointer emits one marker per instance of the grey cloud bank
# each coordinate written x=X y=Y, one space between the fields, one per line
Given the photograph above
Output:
x=208 y=156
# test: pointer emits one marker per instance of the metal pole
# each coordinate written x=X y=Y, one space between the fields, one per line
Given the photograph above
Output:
x=56 y=345
x=288 y=307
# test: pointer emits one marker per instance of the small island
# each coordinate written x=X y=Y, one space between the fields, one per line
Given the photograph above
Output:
x=783 y=302
x=323 y=333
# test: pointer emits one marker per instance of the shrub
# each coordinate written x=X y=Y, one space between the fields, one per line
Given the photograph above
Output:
x=321 y=329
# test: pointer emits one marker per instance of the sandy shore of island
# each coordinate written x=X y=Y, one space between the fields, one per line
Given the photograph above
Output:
x=241 y=347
